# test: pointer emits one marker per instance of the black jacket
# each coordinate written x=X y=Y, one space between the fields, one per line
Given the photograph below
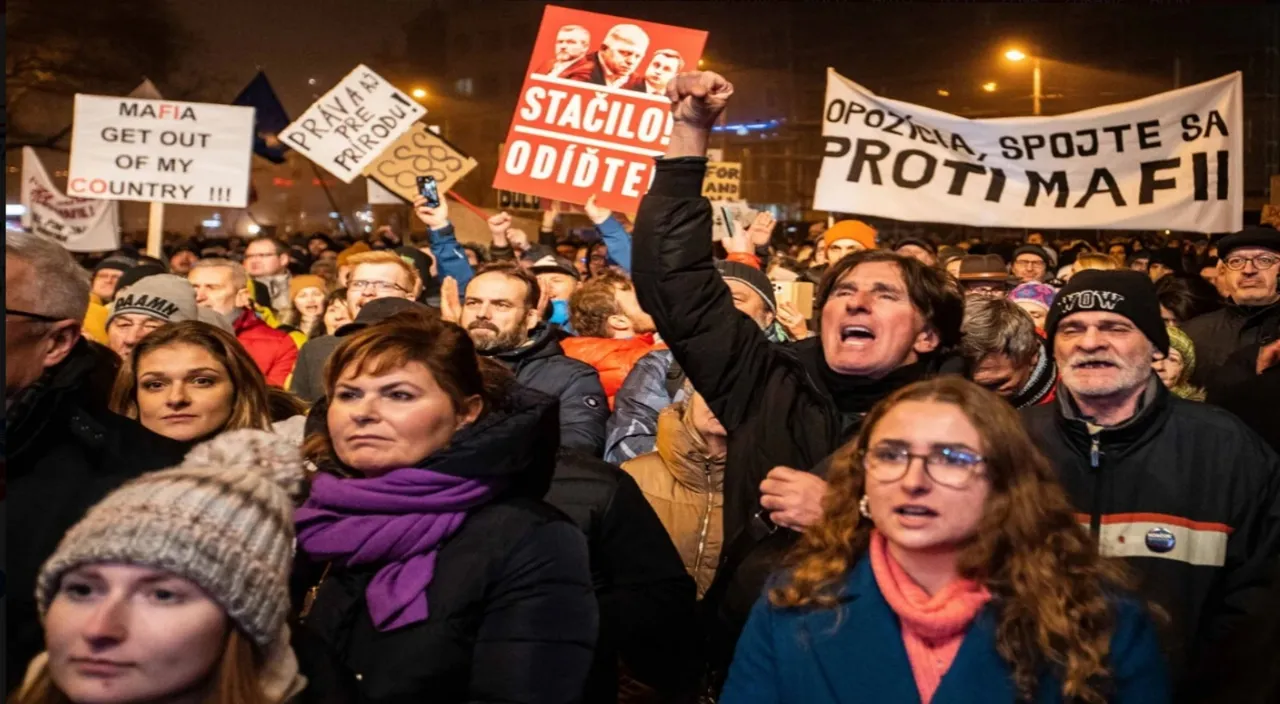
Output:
x=1239 y=388
x=1221 y=333
x=66 y=451
x=512 y=613
x=584 y=409
x=308 y=373
x=1191 y=497
x=775 y=400
x=647 y=599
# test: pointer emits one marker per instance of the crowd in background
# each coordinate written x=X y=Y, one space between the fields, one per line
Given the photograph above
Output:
x=623 y=468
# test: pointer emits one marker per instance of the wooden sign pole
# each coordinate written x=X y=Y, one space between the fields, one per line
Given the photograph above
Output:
x=155 y=231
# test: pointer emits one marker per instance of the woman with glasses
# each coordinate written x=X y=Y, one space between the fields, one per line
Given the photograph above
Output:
x=948 y=566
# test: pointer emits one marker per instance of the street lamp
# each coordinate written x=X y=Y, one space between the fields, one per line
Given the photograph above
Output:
x=989 y=86
x=419 y=93
x=1016 y=55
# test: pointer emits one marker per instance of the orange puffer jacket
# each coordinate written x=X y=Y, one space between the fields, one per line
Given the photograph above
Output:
x=612 y=358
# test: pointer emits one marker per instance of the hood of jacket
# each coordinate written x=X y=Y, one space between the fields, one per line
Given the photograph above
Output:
x=607 y=351
x=685 y=454
x=515 y=442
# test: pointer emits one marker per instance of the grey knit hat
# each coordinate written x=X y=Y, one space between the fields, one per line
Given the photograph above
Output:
x=163 y=296
x=222 y=519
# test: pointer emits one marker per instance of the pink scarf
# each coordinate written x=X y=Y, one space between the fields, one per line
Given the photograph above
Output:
x=932 y=626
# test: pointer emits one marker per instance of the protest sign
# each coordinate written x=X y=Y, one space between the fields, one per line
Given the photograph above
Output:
x=351 y=125
x=723 y=181
x=518 y=201
x=1171 y=161
x=162 y=151
x=79 y=224
x=593 y=112
x=419 y=152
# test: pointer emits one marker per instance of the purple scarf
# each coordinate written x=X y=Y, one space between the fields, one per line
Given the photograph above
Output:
x=398 y=520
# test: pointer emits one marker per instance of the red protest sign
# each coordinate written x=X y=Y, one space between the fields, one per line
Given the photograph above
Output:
x=593 y=111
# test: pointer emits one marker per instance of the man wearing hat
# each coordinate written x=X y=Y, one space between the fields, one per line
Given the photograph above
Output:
x=145 y=306
x=559 y=279
x=985 y=276
x=102 y=290
x=1164 y=261
x=1031 y=263
x=1182 y=491
x=1250 y=263
x=841 y=239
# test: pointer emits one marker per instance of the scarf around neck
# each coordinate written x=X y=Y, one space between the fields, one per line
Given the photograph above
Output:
x=932 y=626
x=397 y=521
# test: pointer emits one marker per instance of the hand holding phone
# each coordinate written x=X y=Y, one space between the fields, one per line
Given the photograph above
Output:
x=427 y=189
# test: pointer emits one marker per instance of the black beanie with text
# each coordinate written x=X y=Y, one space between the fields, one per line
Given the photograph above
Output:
x=1127 y=293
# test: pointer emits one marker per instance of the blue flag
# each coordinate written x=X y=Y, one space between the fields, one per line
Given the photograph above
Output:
x=269 y=118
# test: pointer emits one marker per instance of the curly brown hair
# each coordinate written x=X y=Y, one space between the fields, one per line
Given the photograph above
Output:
x=1045 y=575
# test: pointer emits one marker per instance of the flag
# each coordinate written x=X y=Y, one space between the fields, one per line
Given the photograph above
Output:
x=78 y=224
x=269 y=118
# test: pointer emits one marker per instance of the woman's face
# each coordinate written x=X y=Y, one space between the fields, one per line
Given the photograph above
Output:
x=393 y=420
x=121 y=633
x=1036 y=311
x=309 y=302
x=335 y=316
x=184 y=392
x=915 y=513
x=1169 y=368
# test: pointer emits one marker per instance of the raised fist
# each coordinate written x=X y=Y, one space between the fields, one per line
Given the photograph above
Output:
x=698 y=98
x=498 y=226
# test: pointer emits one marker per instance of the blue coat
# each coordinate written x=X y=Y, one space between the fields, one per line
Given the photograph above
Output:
x=854 y=653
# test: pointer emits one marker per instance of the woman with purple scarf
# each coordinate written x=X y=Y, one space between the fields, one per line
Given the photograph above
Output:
x=426 y=556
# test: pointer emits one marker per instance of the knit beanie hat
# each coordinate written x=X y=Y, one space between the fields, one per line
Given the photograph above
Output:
x=855 y=230
x=1034 y=292
x=162 y=296
x=297 y=283
x=750 y=276
x=1181 y=342
x=222 y=519
x=1035 y=249
x=353 y=250
x=117 y=263
x=1169 y=258
x=1127 y=293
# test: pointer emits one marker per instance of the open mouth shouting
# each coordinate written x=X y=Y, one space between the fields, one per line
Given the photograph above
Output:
x=856 y=335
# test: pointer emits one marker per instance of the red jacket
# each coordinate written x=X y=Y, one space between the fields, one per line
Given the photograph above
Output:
x=272 y=350
x=612 y=358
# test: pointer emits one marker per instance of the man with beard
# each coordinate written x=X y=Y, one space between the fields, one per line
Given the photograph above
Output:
x=500 y=311
x=616 y=62
x=571 y=52
x=1182 y=491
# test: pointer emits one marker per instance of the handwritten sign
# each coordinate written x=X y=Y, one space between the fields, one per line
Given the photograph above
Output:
x=419 y=152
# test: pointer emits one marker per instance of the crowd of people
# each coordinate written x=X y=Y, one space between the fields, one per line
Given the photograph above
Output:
x=336 y=469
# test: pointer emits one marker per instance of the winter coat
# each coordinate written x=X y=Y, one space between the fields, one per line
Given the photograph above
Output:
x=1239 y=388
x=685 y=485
x=854 y=653
x=65 y=451
x=273 y=351
x=775 y=400
x=1190 y=497
x=612 y=358
x=513 y=617
x=307 y=382
x=1219 y=334
x=654 y=383
x=543 y=366
x=648 y=624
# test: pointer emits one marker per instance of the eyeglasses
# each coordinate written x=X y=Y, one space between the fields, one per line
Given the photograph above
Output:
x=34 y=316
x=376 y=286
x=1262 y=261
x=952 y=467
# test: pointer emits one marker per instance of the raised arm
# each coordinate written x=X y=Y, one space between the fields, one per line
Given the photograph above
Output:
x=450 y=259
x=721 y=350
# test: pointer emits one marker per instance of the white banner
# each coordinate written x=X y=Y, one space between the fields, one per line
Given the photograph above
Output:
x=348 y=127
x=79 y=224
x=160 y=151
x=1171 y=161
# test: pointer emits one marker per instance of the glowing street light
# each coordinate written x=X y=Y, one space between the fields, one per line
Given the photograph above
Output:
x=944 y=92
x=1016 y=55
x=989 y=86
x=419 y=93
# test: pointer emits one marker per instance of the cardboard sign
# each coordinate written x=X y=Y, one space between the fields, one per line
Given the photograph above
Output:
x=797 y=293
x=723 y=181
x=351 y=125
x=79 y=224
x=1173 y=161
x=161 y=151
x=419 y=152
x=593 y=112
